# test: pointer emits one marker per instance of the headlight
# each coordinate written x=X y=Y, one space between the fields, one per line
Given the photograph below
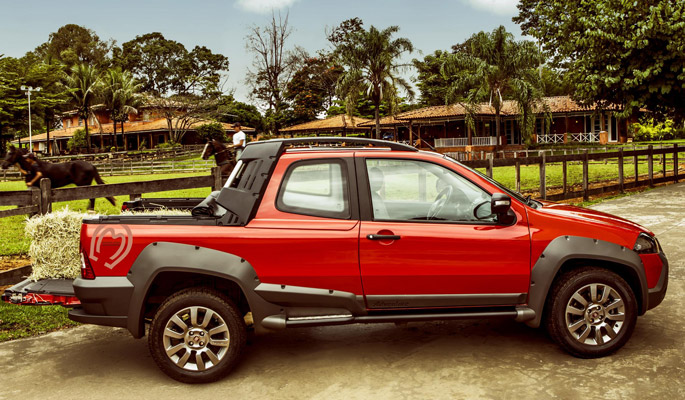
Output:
x=646 y=244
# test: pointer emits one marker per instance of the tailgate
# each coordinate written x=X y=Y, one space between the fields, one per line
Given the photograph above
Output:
x=41 y=293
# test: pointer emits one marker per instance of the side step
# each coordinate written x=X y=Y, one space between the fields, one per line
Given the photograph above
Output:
x=41 y=293
x=520 y=314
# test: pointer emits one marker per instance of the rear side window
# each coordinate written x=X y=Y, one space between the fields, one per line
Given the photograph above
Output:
x=318 y=188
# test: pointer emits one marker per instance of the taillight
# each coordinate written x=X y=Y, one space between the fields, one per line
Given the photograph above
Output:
x=124 y=207
x=86 y=269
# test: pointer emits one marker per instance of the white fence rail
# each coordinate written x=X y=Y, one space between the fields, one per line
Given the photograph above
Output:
x=484 y=141
x=451 y=142
x=461 y=142
x=585 y=137
x=552 y=138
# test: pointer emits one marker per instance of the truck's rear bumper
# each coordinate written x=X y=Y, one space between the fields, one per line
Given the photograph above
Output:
x=104 y=301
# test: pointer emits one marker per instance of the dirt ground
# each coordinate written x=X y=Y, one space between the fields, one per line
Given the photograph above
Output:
x=12 y=262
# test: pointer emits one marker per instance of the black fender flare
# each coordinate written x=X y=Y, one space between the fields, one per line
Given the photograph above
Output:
x=161 y=257
x=565 y=248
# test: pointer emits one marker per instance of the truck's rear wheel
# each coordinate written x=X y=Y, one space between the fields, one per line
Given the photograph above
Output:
x=197 y=336
x=591 y=312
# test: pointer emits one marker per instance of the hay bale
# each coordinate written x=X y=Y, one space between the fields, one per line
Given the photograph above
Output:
x=54 y=246
x=55 y=240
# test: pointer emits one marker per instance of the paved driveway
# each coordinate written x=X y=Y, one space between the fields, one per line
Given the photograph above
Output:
x=439 y=360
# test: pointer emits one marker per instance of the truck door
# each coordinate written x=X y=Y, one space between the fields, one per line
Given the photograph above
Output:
x=306 y=231
x=423 y=246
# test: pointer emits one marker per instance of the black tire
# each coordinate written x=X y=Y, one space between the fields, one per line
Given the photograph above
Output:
x=201 y=302
x=605 y=324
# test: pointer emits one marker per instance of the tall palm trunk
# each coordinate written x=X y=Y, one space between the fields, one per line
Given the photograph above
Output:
x=497 y=126
x=123 y=137
x=114 y=134
x=87 y=133
x=378 y=123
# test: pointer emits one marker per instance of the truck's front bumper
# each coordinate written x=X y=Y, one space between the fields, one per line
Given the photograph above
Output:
x=656 y=294
x=104 y=301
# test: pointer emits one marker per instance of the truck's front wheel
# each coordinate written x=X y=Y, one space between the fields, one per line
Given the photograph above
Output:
x=591 y=312
x=197 y=336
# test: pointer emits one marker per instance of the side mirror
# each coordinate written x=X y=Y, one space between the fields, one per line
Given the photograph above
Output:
x=500 y=204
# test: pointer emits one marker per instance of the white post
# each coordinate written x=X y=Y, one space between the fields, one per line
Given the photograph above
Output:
x=30 y=135
x=28 y=92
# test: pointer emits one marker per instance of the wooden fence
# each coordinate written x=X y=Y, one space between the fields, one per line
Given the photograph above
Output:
x=40 y=199
x=132 y=167
x=620 y=156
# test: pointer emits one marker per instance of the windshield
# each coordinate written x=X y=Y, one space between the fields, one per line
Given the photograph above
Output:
x=524 y=199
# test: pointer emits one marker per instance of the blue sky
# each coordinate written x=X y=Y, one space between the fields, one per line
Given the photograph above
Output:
x=222 y=25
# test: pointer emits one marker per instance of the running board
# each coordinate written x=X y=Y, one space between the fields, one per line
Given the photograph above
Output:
x=520 y=314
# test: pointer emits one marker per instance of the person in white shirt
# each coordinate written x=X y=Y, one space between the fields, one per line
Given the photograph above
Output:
x=238 y=140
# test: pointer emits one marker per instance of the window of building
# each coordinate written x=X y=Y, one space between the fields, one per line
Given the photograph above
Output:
x=317 y=188
x=80 y=121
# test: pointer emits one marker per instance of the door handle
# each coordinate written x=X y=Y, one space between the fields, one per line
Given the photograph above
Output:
x=383 y=237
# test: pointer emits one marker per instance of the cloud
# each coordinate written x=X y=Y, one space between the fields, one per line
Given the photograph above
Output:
x=501 y=7
x=263 y=6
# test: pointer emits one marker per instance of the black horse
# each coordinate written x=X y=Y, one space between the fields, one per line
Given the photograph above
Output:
x=80 y=173
x=8 y=161
x=223 y=156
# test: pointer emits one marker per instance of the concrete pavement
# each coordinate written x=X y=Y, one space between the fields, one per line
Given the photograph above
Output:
x=438 y=360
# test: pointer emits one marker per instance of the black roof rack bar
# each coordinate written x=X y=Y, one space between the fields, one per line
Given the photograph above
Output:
x=347 y=140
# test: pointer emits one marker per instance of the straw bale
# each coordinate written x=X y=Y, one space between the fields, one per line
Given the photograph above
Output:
x=55 y=238
x=54 y=248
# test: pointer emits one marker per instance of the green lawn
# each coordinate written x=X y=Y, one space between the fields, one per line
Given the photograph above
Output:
x=23 y=321
x=12 y=240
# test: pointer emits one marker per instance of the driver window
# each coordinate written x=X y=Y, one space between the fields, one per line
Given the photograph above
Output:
x=409 y=190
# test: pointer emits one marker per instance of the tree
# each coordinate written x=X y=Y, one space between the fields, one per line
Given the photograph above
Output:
x=370 y=59
x=51 y=100
x=182 y=111
x=312 y=88
x=231 y=110
x=83 y=82
x=272 y=67
x=165 y=67
x=431 y=83
x=489 y=67
x=624 y=53
x=73 y=44
x=119 y=95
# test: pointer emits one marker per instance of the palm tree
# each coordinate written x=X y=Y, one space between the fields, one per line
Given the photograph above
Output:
x=371 y=61
x=119 y=94
x=129 y=100
x=83 y=82
x=490 y=67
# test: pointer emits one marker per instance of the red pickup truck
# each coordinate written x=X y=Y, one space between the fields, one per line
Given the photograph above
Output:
x=361 y=231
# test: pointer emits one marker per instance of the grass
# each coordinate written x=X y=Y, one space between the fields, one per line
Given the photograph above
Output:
x=18 y=322
x=530 y=174
x=13 y=241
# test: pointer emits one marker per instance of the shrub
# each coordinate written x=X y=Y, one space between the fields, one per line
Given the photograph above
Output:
x=167 y=145
x=78 y=140
x=212 y=130
x=647 y=130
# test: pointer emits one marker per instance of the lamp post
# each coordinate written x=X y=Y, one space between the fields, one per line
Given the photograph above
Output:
x=29 y=89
